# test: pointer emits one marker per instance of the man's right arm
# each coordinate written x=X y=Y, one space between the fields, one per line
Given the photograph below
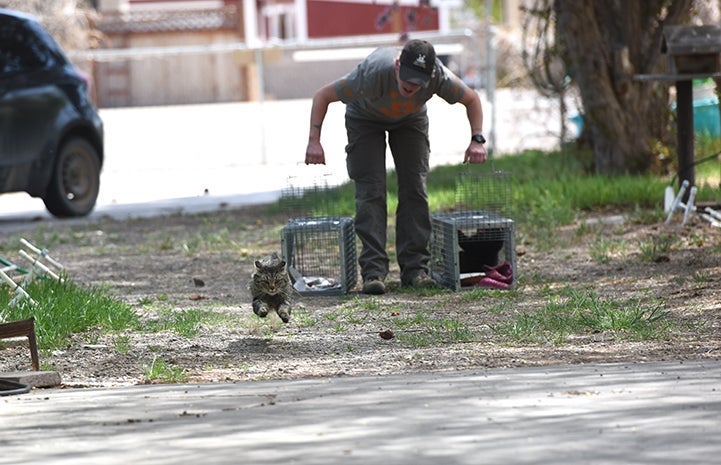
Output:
x=314 y=154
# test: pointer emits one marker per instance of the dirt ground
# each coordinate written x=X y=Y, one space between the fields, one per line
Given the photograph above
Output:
x=203 y=262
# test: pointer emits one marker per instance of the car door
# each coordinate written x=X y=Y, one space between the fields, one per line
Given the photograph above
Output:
x=30 y=103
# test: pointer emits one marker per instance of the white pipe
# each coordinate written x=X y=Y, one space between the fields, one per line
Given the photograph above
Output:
x=16 y=287
x=38 y=264
x=713 y=213
x=689 y=204
x=42 y=253
x=711 y=220
x=677 y=200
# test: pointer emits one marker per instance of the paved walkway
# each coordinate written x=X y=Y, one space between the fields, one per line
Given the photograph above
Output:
x=645 y=413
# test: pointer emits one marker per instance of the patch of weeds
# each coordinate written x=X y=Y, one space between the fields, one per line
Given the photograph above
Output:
x=544 y=231
x=603 y=250
x=475 y=294
x=91 y=337
x=191 y=246
x=63 y=308
x=536 y=277
x=354 y=316
x=263 y=327
x=697 y=239
x=360 y=310
x=304 y=318
x=166 y=243
x=425 y=292
x=408 y=322
x=155 y=348
x=585 y=229
x=582 y=312
x=658 y=246
x=700 y=277
x=161 y=371
x=421 y=330
x=383 y=307
x=211 y=240
x=121 y=344
x=500 y=307
x=339 y=327
x=185 y=323
x=630 y=320
x=45 y=366
x=453 y=330
x=415 y=339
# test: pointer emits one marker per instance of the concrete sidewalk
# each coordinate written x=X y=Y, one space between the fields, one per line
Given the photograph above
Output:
x=642 y=413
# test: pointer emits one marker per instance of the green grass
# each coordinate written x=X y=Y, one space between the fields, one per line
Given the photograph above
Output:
x=419 y=328
x=548 y=190
x=185 y=322
x=63 y=308
x=603 y=250
x=577 y=312
x=656 y=246
x=159 y=370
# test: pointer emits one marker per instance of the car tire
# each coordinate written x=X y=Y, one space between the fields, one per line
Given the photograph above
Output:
x=75 y=181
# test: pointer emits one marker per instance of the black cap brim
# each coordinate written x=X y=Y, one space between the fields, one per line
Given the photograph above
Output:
x=409 y=74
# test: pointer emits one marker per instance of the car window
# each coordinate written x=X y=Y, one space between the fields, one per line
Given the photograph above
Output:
x=22 y=49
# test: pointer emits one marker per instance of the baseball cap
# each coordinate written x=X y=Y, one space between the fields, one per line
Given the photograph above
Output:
x=418 y=59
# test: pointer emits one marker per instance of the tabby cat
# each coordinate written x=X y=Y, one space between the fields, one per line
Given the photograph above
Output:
x=270 y=287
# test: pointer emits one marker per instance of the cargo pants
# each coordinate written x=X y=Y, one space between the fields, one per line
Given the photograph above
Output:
x=366 y=163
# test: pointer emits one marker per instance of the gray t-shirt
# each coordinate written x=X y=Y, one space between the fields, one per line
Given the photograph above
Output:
x=370 y=91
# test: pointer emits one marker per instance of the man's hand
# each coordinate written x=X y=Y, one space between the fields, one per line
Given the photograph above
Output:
x=475 y=153
x=314 y=154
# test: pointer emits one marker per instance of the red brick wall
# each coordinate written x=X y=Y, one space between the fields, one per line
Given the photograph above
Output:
x=343 y=18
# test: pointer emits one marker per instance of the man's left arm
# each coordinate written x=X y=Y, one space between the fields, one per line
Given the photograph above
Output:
x=476 y=151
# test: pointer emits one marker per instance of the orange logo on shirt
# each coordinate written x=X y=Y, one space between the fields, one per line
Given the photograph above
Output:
x=398 y=108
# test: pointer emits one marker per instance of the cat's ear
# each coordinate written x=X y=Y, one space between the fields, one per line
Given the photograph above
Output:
x=258 y=264
x=281 y=264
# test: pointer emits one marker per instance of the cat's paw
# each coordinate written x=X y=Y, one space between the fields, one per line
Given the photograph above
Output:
x=260 y=309
x=284 y=314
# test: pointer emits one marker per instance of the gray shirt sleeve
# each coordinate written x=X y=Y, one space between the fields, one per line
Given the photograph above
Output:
x=370 y=91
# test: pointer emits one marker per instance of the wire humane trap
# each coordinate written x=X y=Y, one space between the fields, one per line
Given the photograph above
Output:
x=317 y=243
x=474 y=245
x=321 y=254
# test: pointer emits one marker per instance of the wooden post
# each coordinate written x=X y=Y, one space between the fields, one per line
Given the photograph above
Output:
x=684 y=118
x=23 y=328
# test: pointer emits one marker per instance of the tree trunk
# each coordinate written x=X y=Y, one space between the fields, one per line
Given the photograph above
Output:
x=605 y=43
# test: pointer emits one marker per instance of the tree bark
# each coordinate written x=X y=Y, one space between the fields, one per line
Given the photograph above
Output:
x=605 y=43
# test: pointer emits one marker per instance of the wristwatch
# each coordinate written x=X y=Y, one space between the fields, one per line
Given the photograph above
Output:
x=478 y=138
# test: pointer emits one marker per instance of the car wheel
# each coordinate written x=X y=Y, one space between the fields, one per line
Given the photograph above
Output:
x=75 y=182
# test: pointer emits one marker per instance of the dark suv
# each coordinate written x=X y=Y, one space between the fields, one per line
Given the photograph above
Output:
x=51 y=136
